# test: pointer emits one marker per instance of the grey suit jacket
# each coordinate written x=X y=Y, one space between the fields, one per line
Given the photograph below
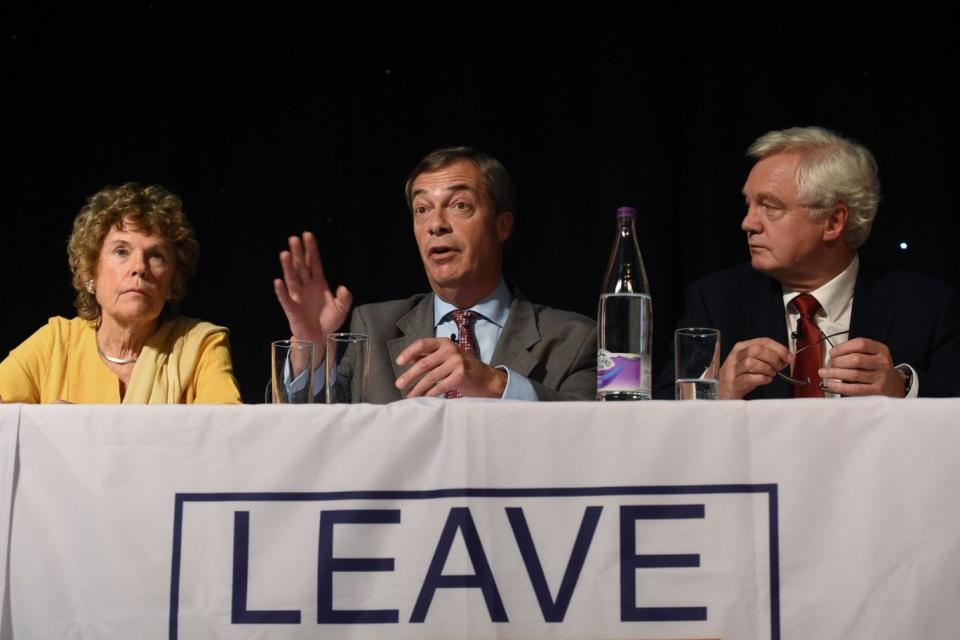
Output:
x=556 y=350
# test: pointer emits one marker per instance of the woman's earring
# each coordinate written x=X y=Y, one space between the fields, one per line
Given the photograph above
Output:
x=89 y=286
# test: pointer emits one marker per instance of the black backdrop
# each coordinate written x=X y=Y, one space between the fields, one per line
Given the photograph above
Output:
x=272 y=119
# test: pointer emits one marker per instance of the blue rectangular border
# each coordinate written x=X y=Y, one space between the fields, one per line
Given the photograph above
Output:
x=560 y=492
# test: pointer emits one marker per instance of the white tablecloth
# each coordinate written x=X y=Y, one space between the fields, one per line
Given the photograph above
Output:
x=466 y=519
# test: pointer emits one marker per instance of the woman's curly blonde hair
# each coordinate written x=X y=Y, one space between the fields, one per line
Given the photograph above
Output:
x=152 y=210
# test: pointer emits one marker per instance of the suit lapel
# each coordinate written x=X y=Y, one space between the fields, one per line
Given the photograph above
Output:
x=519 y=336
x=416 y=324
x=870 y=316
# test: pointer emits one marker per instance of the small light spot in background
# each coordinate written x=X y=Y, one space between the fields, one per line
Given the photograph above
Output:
x=903 y=246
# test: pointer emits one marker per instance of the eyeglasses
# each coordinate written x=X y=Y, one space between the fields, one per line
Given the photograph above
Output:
x=805 y=381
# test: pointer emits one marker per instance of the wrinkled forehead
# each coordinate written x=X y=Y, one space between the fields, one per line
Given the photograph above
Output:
x=462 y=175
x=130 y=230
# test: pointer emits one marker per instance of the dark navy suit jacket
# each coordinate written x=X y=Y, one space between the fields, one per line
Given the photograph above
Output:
x=915 y=315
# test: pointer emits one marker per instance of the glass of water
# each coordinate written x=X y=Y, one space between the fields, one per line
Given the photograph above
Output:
x=292 y=371
x=347 y=367
x=697 y=353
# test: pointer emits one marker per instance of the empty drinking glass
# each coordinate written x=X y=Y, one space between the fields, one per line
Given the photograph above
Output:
x=292 y=371
x=347 y=367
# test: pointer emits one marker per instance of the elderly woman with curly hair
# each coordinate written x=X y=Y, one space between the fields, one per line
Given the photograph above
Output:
x=131 y=252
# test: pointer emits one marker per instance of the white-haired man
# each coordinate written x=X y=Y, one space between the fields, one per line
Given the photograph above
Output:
x=806 y=318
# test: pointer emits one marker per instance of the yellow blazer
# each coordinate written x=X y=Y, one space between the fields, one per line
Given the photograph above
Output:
x=186 y=361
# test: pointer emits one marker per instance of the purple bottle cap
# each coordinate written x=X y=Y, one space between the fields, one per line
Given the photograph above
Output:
x=626 y=212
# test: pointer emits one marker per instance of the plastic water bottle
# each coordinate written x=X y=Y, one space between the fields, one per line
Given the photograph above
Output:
x=625 y=319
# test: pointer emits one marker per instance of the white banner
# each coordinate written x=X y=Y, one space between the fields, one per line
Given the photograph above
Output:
x=9 y=427
x=465 y=519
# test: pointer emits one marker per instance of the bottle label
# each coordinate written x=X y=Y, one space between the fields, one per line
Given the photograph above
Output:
x=623 y=371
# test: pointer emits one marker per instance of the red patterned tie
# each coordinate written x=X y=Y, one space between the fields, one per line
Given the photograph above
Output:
x=808 y=361
x=465 y=339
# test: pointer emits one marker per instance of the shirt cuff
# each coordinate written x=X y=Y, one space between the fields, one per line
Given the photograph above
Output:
x=518 y=387
x=295 y=385
x=914 y=391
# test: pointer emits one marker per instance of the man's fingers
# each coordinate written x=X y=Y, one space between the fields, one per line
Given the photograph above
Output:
x=419 y=348
x=286 y=302
x=754 y=380
x=343 y=299
x=857 y=361
x=858 y=345
x=861 y=354
x=417 y=370
x=312 y=262
x=775 y=359
x=735 y=387
x=862 y=367
x=759 y=366
x=424 y=374
x=764 y=349
x=841 y=374
x=842 y=388
x=425 y=354
x=299 y=260
x=436 y=359
x=415 y=350
x=751 y=363
x=311 y=254
x=435 y=382
x=290 y=276
x=440 y=387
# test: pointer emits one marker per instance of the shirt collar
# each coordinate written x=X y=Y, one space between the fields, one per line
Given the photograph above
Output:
x=836 y=294
x=495 y=307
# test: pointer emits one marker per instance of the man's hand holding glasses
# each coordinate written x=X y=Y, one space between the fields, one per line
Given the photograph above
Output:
x=750 y=364
x=858 y=367
x=862 y=367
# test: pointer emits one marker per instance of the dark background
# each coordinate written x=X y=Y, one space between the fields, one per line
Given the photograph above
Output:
x=273 y=119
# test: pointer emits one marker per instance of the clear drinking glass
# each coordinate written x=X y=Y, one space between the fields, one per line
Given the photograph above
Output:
x=347 y=367
x=697 y=353
x=292 y=370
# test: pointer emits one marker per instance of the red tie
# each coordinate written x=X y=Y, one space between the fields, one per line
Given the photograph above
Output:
x=465 y=339
x=809 y=361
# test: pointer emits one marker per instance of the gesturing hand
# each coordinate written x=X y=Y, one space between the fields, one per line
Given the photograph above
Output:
x=311 y=309
x=750 y=364
x=441 y=366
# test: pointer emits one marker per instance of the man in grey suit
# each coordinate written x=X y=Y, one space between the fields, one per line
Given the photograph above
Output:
x=462 y=206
